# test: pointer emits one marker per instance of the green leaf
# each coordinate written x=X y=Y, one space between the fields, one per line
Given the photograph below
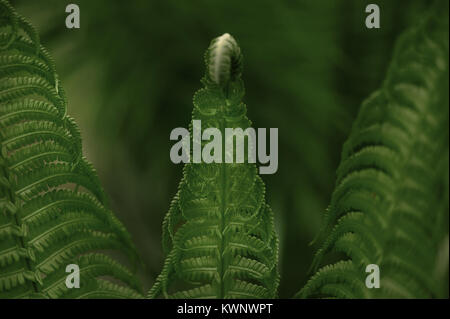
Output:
x=53 y=211
x=390 y=204
x=219 y=233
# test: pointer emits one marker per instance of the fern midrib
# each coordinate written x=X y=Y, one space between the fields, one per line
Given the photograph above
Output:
x=391 y=227
x=25 y=111
x=56 y=203
x=6 y=226
x=18 y=223
x=38 y=133
x=40 y=181
x=34 y=87
x=60 y=226
x=67 y=247
x=18 y=65
x=223 y=204
x=32 y=158
x=18 y=271
x=63 y=279
x=105 y=294
x=416 y=139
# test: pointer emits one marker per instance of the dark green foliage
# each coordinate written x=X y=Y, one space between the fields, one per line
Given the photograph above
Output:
x=308 y=66
x=53 y=211
x=390 y=204
x=219 y=232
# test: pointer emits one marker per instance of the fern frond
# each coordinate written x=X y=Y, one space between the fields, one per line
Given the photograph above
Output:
x=219 y=233
x=53 y=211
x=389 y=204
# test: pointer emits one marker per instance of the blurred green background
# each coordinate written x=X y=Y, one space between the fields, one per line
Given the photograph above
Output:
x=132 y=68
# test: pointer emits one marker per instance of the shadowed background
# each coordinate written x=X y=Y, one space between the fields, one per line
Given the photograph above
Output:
x=131 y=70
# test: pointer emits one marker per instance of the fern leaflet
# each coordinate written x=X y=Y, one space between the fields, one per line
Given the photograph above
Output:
x=53 y=211
x=219 y=232
x=390 y=204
